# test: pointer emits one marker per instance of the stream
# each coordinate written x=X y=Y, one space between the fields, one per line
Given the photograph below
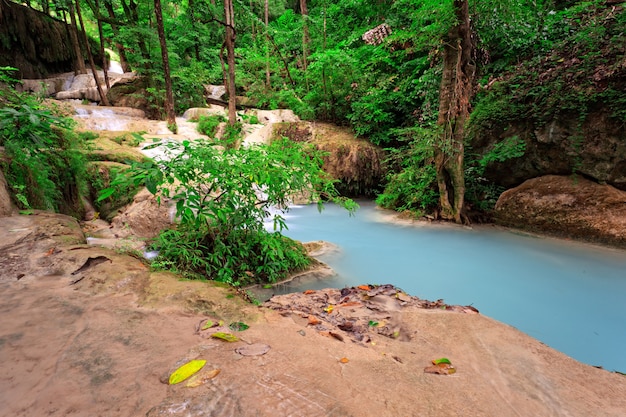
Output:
x=570 y=296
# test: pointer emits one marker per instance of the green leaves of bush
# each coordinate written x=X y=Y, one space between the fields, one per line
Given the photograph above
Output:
x=223 y=198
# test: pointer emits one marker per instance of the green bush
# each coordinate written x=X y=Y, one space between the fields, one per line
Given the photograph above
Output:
x=223 y=198
x=412 y=186
x=207 y=125
x=44 y=164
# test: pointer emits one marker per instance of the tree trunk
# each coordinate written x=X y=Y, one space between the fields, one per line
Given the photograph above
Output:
x=305 y=39
x=268 y=84
x=105 y=62
x=229 y=41
x=169 y=96
x=80 y=62
x=103 y=97
x=121 y=51
x=196 y=38
x=454 y=107
x=305 y=33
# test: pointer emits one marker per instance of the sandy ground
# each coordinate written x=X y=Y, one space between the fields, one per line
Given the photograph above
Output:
x=99 y=341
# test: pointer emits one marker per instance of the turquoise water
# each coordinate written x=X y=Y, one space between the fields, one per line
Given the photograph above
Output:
x=570 y=296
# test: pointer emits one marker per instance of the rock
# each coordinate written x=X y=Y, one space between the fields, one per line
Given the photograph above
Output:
x=572 y=207
x=195 y=112
x=144 y=217
x=595 y=148
x=107 y=340
x=6 y=207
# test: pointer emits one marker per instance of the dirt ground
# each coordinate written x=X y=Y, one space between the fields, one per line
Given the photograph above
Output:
x=81 y=337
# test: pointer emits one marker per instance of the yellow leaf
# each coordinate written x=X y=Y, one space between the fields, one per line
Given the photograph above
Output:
x=186 y=371
x=329 y=309
x=344 y=360
x=225 y=336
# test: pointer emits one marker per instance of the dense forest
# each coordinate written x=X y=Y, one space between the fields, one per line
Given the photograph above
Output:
x=455 y=91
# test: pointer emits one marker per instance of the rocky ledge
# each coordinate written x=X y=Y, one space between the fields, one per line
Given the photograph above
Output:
x=91 y=331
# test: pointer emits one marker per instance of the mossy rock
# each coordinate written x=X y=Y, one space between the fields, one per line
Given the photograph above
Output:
x=99 y=176
x=106 y=149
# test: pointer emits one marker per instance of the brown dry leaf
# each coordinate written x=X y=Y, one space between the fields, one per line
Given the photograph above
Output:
x=314 y=320
x=309 y=292
x=336 y=336
x=202 y=378
x=441 y=369
x=351 y=304
x=344 y=360
x=364 y=287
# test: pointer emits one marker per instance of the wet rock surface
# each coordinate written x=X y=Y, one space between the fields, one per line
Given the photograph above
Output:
x=97 y=337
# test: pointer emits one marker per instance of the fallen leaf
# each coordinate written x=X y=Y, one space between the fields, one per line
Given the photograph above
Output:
x=441 y=361
x=336 y=336
x=202 y=378
x=238 y=326
x=208 y=325
x=350 y=304
x=186 y=371
x=443 y=369
x=225 y=336
x=314 y=320
x=344 y=360
x=309 y=292
x=364 y=287
x=329 y=309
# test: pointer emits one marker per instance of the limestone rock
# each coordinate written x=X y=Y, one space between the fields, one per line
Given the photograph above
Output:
x=571 y=207
x=144 y=217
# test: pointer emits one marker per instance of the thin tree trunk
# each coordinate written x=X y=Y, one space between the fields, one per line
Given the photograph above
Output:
x=305 y=39
x=196 y=38
x=169 y=96
x=121 y=51
x=454 y=107
x=80 y=62
x=268 y=84
x=105 y=64
x=229 y=41
x=103 y=96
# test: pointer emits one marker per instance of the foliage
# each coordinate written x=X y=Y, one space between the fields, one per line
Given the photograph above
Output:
x=413 y=186
x=207 y=125
x=482 y=194
x=223 y=199
x=45 y=165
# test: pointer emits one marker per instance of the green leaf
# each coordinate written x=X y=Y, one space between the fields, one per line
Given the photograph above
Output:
x=225 y=336
x=441 y=360
x=238 y=326
x=186 y=371
x=208 y=325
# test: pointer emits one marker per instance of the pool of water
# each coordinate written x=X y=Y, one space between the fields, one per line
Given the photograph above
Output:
x=570 y=296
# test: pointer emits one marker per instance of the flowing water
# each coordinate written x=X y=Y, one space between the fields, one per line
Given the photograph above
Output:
x=570 y=296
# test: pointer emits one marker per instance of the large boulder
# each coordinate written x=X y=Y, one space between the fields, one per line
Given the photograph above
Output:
x=566 y=206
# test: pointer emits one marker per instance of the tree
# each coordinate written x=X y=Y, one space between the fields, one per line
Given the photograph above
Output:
x=454 y=108
x=229 y=42
x=92 y=64
x=169 y=96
